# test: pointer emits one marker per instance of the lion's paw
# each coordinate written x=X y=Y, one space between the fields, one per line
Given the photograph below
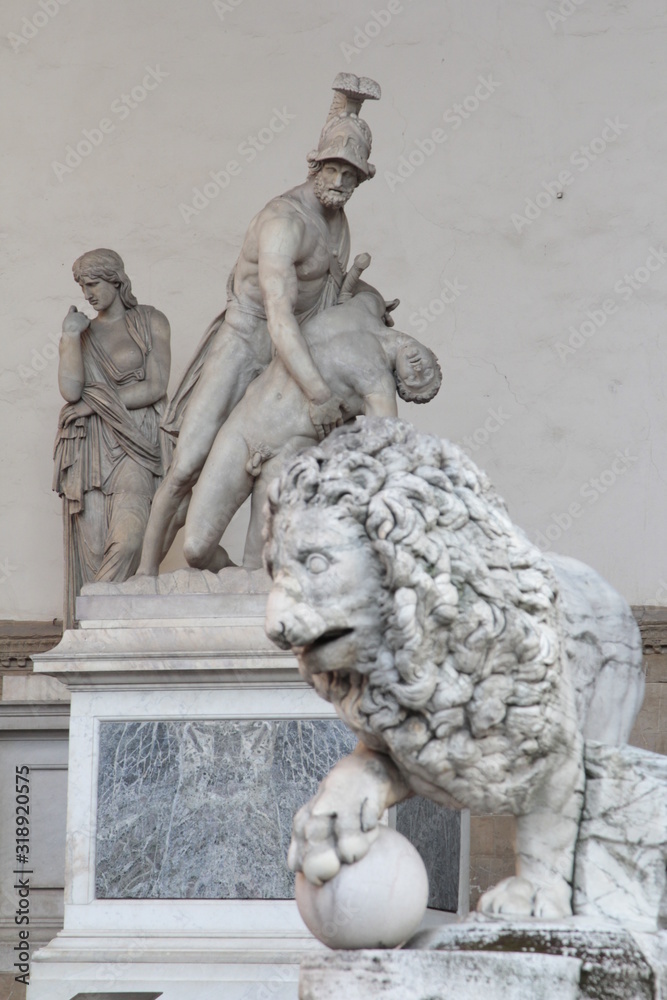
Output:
x=511 y=897
x=517 y=897
x=324 y=838
x=554 y=901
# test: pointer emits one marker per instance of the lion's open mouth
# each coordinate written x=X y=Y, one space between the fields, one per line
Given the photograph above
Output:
x=331 y=635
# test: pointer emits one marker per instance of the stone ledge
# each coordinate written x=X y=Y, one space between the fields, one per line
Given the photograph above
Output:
x=423 y=975
x=652 y=621
x=572 y=960
x=20 y=640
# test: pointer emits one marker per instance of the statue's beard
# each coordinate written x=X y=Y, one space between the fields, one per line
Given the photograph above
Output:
x=329 y=198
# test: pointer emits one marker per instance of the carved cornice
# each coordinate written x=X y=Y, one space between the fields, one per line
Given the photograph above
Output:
x=20 y=640
x=652 y=623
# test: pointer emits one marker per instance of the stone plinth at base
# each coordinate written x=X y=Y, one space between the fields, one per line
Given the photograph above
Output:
x=176 y=967
x=192 y=743
x=377 y=975
x=498 y=961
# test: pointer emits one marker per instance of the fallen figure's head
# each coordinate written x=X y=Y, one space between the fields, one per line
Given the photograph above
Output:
x=470 y=665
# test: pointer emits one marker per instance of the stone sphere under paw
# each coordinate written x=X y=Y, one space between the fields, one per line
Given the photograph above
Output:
x=377 y=902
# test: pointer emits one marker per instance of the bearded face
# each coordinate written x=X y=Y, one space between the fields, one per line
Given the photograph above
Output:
x=334 y=183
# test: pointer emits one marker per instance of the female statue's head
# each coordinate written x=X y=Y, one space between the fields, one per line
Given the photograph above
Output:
x=105 y=265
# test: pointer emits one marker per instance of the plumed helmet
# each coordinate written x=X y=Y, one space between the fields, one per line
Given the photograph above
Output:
x=345 y=135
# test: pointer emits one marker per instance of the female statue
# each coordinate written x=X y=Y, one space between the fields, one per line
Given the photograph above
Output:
x=109 y=451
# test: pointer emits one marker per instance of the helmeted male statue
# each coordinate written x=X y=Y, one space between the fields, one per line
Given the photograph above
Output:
x=291 y=267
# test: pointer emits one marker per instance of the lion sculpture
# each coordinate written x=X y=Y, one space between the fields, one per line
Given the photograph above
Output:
x=470 y=665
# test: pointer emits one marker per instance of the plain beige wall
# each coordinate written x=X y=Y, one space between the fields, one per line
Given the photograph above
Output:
x=582 y=432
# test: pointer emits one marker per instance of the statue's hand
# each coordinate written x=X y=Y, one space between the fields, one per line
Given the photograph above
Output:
x=75 y=322
x=72 y=411
x=339 y=824
x=327 y=415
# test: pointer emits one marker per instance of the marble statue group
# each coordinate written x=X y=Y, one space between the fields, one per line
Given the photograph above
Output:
x=295 y=318
x=474 y=669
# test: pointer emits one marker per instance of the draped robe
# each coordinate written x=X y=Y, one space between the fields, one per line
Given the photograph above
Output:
x=108 y=465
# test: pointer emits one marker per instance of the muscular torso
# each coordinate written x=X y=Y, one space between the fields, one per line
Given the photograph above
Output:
x=319 y=241
x=347 y=345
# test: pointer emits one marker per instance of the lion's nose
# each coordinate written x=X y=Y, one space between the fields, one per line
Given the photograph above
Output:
x=278 y=610
x=290 y=622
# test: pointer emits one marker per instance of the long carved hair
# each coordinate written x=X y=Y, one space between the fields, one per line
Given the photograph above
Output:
x=472 y=632
x=105 y=265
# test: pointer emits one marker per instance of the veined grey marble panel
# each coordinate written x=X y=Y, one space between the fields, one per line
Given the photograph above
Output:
x=436 y=833
x=203 y=810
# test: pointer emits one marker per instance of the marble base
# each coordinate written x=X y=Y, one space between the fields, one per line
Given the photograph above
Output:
x=192 y=742
x=386 y=975
x=573 y=960
x=183 y=966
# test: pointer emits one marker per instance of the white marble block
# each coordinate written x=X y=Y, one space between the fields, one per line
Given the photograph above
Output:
x=387 y=975
x=621 y=856
x=497 y=960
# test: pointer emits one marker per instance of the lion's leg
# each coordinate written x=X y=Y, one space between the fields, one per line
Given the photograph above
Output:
x=340 y=823
x=546 y=839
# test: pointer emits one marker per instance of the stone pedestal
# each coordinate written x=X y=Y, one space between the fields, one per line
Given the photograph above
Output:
x=573 y=960
x=33 y=742
x=192 y=743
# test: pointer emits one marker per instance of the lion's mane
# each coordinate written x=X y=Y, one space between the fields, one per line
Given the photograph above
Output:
x=472 y=649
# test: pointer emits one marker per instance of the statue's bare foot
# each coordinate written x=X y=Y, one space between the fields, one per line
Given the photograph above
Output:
x=220 y=560
x=518 y=897
x=147 y=569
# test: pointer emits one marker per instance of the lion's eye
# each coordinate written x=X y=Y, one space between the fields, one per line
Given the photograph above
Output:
x=317 y=563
